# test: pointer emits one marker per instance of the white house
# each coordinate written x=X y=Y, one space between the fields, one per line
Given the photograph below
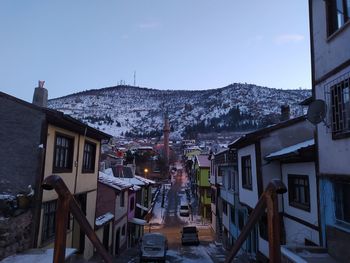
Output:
x=330 y=60
x=255 y=172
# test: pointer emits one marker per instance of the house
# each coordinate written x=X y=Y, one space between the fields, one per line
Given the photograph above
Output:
x=225 y=203
x=111 y=211
x=202 y=173
x=37 y=142
x=330 y=60
x=257 y=167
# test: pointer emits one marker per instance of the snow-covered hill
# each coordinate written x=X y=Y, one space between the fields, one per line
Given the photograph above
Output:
x=121 y=109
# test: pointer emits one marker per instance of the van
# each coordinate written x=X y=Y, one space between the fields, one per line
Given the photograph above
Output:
x=153 y=247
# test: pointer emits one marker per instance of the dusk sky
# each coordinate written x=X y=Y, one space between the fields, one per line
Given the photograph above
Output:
x=171 y=44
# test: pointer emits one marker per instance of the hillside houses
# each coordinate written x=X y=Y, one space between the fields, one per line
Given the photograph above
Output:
x=37 y=142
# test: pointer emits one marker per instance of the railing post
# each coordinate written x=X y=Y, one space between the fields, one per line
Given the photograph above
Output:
x=66 y=201
x=273 y=224
x=269 y=200
x=61 y=230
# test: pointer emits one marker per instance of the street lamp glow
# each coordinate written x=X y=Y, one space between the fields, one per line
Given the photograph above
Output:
x=145 y=170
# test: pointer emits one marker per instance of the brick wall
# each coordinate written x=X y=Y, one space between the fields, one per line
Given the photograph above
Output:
x=105 y=199
x=15 y=234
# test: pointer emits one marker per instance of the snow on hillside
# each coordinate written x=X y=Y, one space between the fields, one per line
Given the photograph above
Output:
x=120 y=109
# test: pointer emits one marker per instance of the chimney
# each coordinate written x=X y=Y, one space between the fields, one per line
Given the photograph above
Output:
x=285 y=112
x=40 y=95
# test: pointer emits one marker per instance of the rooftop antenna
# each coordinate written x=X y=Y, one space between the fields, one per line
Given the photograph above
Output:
x=316 y=112
x=135 y=78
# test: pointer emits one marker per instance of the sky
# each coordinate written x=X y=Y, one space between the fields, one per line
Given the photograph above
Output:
x=170 y=44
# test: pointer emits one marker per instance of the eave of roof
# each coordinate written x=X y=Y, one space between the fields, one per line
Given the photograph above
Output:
x=63 y=120
x=254 y=136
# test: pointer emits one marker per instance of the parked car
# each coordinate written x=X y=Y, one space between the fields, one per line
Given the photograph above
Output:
x=153 y=247
x=184 y=210
x=189 y=235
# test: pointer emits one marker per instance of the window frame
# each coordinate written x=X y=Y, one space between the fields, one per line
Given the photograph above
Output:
x=224 y=207
x=48 y=229
x=132 y=204
x=70 y=153
x=333 y=26
x=306 y=206
x=246 y=172
x=122 y=199
x=340 y=109
x=92 y=157
x=337 y=192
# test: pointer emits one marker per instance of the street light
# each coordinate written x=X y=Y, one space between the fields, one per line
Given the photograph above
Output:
x=145 y=171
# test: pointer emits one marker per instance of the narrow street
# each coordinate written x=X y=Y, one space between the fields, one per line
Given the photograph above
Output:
x=168 y=221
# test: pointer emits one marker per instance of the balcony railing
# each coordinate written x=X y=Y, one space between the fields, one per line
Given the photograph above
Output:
x=269 y=201
x=66 y=203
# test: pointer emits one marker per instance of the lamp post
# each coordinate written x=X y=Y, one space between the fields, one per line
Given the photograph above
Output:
x=145 y=171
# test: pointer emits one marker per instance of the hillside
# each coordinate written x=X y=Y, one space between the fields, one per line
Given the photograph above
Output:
x=138 y=111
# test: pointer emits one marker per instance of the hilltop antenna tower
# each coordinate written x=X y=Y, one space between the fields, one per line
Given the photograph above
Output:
x=135 y=78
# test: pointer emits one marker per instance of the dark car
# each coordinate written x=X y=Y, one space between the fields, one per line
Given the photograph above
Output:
x=153 y=247
x=189 y=235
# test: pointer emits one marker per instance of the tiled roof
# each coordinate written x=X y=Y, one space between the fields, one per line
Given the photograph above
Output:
x=203 y=160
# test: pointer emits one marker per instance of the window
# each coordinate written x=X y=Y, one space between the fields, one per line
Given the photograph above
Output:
x=240 y=219
x=89 y=157
x=232 y=214
x=122 y=199
x=208 y=191
x=63 y=155
x=132 y=203
x=340 y=103
x=263 y=227
x=123 y=230
x=213 y=199
x=338 y=12
x=224 y=207
x=342 y=202
x=49 y=222
x=299 y=191
x=246 y=172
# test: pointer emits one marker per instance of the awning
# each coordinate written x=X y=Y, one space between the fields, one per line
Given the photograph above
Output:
x=138 y=221
x=101 y=220
x=142 y=207
x=289 y=151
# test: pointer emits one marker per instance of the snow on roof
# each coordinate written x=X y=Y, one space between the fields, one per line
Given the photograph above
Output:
x=291 y=149
x=145 y=180
x=36 y=256
x=203 y=160
x=116 y=183
x=135 y=184
x=101 y=220
x=142 y=207
x=138 y=221
x=109 y=171
x=145 y=148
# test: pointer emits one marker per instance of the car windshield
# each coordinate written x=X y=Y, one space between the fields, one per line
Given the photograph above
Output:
x=189 y=229
x=184 y=207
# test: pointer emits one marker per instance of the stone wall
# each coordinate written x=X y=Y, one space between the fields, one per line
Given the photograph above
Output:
x=15 y=234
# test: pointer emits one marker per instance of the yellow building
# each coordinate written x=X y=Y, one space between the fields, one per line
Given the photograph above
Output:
x=202 y=173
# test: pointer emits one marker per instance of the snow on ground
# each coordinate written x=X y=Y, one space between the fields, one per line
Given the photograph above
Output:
x=158 y=212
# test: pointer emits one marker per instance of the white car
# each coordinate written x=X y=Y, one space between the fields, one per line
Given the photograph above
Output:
x=153 y=247
x=184 y=210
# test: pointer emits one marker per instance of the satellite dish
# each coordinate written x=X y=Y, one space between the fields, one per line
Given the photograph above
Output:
x=316 y=111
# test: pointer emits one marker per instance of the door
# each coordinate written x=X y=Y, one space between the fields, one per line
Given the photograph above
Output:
x=117 y=241
x=106 y=236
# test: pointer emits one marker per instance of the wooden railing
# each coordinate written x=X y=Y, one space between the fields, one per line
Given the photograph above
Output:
x=67 y=203
x=269 y=201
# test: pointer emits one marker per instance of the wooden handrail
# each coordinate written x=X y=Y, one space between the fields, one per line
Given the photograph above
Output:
x=66 y=203
x=269 y=200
